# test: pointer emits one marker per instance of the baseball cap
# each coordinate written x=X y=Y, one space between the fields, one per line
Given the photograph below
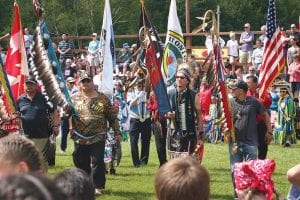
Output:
x=84 y=76
x=94 y=34
x=293 y=26
x=70 y=80
x=238 y=85
x=31 y=80
x=126 y=45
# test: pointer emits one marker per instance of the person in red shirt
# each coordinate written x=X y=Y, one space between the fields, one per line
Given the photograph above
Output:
x=261 y=125
x=294 y=72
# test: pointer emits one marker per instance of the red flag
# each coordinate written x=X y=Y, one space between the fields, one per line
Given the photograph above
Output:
x=16 y=61
x=273 y=58
x=156 y=79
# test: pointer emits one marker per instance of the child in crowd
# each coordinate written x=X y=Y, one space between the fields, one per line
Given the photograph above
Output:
x=18 y=154
x=181 y=179
x=253 y=180
x=233 y=49
x=76 y=183
x=30 y=187
x=213 y=130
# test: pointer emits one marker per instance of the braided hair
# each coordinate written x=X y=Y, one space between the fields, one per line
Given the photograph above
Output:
x=16 y=148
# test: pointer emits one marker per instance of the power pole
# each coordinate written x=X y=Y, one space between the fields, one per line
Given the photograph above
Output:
x=188 y=39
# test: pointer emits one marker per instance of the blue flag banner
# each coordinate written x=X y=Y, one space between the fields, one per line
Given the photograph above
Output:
x=55 y=63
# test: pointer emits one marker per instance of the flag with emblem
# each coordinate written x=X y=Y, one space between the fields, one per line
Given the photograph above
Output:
x=107 y=50
x=174 y=52
x=273 y=57
x=16 y=60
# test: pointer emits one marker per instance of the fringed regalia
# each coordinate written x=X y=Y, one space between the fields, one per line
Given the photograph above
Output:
x=285 y=125
x=213 y=130
x=182 y=134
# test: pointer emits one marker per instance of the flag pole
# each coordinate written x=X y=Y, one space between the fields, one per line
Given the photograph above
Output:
x=230 y=132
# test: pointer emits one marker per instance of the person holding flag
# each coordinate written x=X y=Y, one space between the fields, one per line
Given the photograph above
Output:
x=186 y=130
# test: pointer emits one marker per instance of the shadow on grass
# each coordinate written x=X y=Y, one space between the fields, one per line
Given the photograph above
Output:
x=130 y=174
x=220 y=197
x=129 y=195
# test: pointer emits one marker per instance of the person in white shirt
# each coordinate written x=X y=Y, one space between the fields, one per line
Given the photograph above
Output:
x=28 y=39
x=233 y=50
x=257 y=55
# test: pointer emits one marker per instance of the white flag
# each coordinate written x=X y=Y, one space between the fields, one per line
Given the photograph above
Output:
x=175 y=52
x=107 y=50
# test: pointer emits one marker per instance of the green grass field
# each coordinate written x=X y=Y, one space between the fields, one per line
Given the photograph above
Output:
x=137 y=183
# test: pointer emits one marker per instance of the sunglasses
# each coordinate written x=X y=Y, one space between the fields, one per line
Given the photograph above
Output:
x=86 y=81
x=180 y=77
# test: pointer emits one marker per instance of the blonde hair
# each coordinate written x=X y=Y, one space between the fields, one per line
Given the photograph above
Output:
x=231 y=34
x=182 y=178
x=16 y=148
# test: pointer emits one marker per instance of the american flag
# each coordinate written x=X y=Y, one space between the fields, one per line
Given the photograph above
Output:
x=273 y=58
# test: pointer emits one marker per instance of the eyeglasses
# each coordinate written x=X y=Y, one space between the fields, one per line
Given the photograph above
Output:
x=86 y=81
x=180 y=77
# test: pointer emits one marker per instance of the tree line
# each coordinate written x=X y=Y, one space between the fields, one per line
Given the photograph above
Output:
x=83 y=17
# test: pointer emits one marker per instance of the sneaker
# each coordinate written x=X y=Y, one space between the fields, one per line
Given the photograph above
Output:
x=99 y=191
x=112 y=171
x=287 y=144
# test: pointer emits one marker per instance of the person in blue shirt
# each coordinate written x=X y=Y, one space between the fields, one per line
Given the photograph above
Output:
x=93 y=54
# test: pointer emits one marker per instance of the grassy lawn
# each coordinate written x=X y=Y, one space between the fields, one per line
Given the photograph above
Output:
x=137 y=183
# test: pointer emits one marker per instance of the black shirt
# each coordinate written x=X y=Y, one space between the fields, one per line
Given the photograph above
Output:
x=35 y=115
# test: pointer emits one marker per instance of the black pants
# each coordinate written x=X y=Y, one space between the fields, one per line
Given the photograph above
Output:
x=262 y=145
x=64 y=133
x=160 y=140
x=85 y=155
x=138 y=129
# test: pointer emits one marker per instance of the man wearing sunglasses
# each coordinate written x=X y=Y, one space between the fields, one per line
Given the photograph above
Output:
x=184 y=132
x=246 y=48
x=88 y=129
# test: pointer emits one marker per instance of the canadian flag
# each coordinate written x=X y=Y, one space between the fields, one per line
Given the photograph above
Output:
x=16 y=61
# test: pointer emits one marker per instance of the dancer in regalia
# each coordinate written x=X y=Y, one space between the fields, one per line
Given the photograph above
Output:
x=284 y=132
x=186 y=129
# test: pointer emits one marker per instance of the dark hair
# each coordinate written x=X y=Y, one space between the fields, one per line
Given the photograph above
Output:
x=16 y=148
x=76 y=184
x=253 y=78
x=30 y=186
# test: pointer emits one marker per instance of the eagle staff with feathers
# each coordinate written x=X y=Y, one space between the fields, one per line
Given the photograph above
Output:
x=215 y=77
